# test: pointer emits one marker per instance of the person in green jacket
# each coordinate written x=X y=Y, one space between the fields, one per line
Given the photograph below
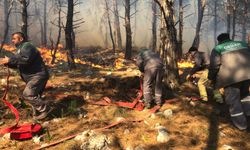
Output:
x=230 y=69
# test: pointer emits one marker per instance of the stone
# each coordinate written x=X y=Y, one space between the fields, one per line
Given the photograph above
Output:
x=36 y=139
x=97 y=142
x=45 y=124
x=83 y=136
x=227 y=147
x=168 y=113
x=163 y=135
x=126 y=131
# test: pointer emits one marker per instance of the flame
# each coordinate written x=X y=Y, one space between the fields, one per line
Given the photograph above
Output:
x=9 y=48
x=119 y=62
x=185 y=64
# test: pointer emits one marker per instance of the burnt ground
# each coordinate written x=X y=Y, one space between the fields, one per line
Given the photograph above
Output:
x=196 y=126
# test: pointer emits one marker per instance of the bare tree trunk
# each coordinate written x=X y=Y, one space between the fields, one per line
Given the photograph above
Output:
x=201 y=8
x=8 y=3
x=168 y=43
x=59 y=32
x=110 y=26
x=117 y=25
x=135 y=23
x=38 y=16
x=215 y=21
x=234 y=20
x=68 y=34
x=244 y=29
x=154 y=26
x=228 y=16
x=6 y=16
x=45 y=23
x=128 y=53
x=180 y=50
x=24 y=24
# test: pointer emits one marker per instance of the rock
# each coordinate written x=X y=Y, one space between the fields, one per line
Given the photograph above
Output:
x=83 y=136
x=6 y=137
x=163 y=135
x=168 y=113
x=227 y=147
x=126 y=131
x=97 y=142
x=36 y=139
x=45 y=124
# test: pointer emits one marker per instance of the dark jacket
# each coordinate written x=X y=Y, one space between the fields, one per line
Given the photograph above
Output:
x=29 y=62
x=148 y=59
x=229 y=63
x=199 y=62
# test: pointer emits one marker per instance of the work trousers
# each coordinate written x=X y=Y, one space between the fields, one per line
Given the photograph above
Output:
x=33 y=91
x=202 y=85
x=153 y=75
x=238 y=99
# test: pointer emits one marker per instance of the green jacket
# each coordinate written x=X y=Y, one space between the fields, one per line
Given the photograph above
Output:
x=229 y=63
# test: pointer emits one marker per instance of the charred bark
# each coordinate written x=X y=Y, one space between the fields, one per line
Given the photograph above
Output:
x=68 y=35
x=110 y=26
x=24 y=12
x=201 y=8
x=168 y=43
x=128 y=52
x=117 y=25
x=154 y=26
x=180 y=29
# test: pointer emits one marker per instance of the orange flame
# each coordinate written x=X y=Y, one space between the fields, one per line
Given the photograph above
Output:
x=185 y=64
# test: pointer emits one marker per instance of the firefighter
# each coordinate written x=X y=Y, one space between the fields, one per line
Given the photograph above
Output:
x=32 y=71
x=229 y=68
x=200 y=64
x=150 y=64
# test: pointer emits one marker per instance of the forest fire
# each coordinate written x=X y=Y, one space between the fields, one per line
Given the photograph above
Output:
x=47 y=54
x=185 y=64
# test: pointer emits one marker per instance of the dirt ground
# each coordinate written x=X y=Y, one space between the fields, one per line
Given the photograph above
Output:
x=193 y=125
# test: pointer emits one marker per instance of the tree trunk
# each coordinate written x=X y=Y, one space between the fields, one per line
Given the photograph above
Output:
x=135 y=23
x=9 y=5
x=68 y=34
x=228 y=16
x=128 y=53
x=215 y=21
x=180 y=50
x=110 y=26
x=169 y=43
x=24 y=12
x=201 y=8
x=234 y=20
x=59 y=32
x=117 y=25
x=45 y=23
x=244 y=29
x=154 y=26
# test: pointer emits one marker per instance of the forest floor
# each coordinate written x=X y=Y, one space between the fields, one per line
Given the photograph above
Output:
x=192 y=125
